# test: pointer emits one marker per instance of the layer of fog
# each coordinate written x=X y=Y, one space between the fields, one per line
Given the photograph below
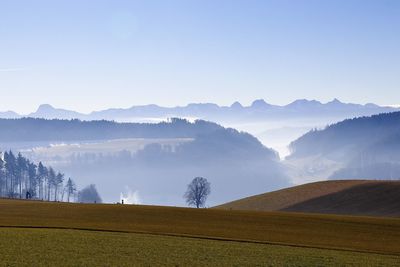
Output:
x=152 y=168
x=278 y=134
x=109 y=165
x=275 y=134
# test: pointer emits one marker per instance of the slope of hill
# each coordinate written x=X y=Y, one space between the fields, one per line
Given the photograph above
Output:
x=352 y=197
x=364 y=147
x=357 y=132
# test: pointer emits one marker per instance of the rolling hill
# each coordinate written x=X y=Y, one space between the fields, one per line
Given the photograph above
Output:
x=351 y=197
x=364 y=147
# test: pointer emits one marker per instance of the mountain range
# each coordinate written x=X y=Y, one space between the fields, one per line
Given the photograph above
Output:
x=259 y=110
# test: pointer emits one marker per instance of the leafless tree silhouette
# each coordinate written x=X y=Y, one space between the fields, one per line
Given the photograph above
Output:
x=197 y=192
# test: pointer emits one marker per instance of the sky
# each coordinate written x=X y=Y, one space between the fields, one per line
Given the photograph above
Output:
x=94 y=54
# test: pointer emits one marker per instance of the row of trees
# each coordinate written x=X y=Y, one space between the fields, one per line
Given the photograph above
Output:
x=21 y=178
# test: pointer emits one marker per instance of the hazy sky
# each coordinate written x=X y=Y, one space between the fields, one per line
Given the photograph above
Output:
x=89 y=55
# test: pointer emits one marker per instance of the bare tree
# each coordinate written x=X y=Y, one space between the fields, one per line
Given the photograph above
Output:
x=197 y=192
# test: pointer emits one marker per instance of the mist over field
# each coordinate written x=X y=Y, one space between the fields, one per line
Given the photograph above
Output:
x=276 y=126
x=365 y=147
x=150 y=163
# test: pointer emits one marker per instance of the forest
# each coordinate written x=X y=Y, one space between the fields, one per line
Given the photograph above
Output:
x=365 y=147
x=21 y=178
x=30 y=129
x=359 y=132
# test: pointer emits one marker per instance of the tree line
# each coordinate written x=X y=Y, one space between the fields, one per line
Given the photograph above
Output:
x=39 y=130
x=21 y=178
x=381 y=129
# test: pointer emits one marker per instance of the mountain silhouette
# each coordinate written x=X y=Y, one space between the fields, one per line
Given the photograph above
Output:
x=259 y=110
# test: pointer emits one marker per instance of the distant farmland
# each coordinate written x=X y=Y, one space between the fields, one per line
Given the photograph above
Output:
x=91 y=235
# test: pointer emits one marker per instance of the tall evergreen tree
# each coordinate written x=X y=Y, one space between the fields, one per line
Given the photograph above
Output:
x=10 y=167
x=2 y=178
x=20 y=177
x=20 y=171
x=32 y=176
x=41 y=177
x=51 y=177
x=58 y=180
x=71 y=188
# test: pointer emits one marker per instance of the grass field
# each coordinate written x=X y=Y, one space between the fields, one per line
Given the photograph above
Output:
x=44 y=247
x=38 y=234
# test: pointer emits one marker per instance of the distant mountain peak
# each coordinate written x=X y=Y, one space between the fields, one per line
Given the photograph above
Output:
x=335 y=101
x=236 y=105
x=371 y=105
x=45 y=107
x=260 y=103
x=47 y=111
x=304 y=102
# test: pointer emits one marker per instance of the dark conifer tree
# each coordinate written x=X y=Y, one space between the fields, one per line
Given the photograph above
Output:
x=32 y=176
x=41 y=177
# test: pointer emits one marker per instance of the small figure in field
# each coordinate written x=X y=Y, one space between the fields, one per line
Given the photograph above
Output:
x=122 y=201
x=28 y=195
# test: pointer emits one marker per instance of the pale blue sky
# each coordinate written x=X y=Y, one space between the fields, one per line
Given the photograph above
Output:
x=90 y=55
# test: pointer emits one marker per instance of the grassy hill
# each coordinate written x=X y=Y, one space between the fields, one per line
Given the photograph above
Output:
x=125 y=235
x=351 y=197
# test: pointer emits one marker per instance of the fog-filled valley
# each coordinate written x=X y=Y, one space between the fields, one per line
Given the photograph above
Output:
x=200 y=133
x=149 y=163
x=274 y=125
x=152 y=162
x=364 y=147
